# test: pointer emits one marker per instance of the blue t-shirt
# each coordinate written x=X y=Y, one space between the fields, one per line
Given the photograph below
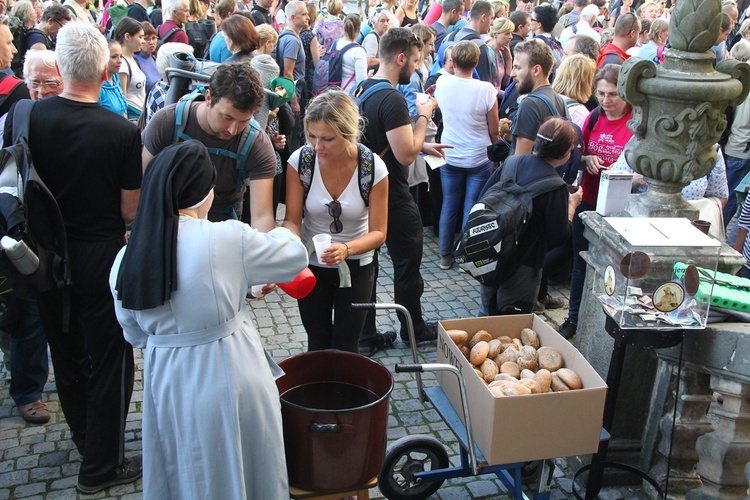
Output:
x=290 y=47
x=218 y=50
x=111 y=97
x=148 y=66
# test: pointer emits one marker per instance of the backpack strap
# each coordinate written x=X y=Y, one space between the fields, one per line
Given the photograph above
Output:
x=594 y=118
x=551 y=108
x=306 y=169
x=168 y=34
x=182 y=113
x=22 y=119
x=362 y=96
x=7 y=85
x=365 y=171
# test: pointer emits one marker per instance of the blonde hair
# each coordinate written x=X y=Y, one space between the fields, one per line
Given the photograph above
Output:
x=465 y=55
x=658 y=27
x=266 y=33
x=334 y=7
x=424 y=32
x=643 y=7
x=338 y=110
x=502 y=25
x=575 y=77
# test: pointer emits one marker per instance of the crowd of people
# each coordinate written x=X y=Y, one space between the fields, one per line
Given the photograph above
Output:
x=199 y=181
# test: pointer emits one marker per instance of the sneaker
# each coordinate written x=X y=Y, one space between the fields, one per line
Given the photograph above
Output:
x=131 y=470
x=538 y=307
x=428 y=334
x=567 y=329
x=380 y=341
x=553 y=302
x=35 y=413
x=446 y=262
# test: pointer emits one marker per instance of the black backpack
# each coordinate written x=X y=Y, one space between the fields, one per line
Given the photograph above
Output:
x=487 y=248
x=29 y=213
x=20 y=33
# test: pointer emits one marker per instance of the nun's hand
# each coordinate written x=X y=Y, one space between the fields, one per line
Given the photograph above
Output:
x=268 y=288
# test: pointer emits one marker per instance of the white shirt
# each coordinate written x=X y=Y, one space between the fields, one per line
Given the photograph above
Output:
x=740 y=132
x=354 y=214
x=582 y=28
x=353 y=64
x=465 y=104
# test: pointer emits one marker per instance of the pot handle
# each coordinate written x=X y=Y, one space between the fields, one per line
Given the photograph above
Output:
x=325 y=428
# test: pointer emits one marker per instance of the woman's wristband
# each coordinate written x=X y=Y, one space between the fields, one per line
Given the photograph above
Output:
x=348 y=252
x=427 y=118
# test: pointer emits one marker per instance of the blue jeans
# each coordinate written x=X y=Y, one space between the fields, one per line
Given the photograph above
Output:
x=29 y=366
x=737 y=169
x=459 y=183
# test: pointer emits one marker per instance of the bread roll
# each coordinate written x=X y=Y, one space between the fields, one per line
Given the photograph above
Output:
x=480 y=336
x=527 y=374
x=518 y=343
x=479 y=373
x=496 y=347
x=510 y=368
x=544 y=379
x=465 y=351
x=505 y=377
x=504 y=339
x=549 y=358
x=530 y=338
x=489 y=370
x=510 y=354
x=459 y=337
x=479 y=353
x=532 y=384
x=558 y=385
x=497 y=391
x=527 y=359
x=570 y=378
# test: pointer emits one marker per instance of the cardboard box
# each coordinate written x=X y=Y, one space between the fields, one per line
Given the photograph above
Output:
x=614 y=189
x=530 y=427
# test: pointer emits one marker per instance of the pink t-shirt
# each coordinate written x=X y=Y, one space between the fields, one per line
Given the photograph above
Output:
x=433 y=13
x=606 y=140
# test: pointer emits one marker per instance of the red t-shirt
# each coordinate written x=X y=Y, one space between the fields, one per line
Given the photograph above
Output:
x=178 y=36
x=606 y=140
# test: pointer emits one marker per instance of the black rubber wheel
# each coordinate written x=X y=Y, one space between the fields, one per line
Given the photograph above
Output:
x=405 y=457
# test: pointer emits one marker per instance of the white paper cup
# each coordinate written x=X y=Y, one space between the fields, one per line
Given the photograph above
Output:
x=422 y=97
x=321 y=242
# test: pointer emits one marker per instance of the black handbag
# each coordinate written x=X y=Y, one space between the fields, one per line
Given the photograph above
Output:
x=499 y=150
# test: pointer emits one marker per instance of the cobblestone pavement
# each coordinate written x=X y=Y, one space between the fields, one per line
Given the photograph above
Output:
x=41 y=461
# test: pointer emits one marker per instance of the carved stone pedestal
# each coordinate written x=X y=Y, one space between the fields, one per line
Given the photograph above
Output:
x=724 y=452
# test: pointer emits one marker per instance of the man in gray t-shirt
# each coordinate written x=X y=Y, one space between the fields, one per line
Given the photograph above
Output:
x=234 y=95
x=290 y=54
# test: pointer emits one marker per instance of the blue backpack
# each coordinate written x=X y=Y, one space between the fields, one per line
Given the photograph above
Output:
x=329 y=68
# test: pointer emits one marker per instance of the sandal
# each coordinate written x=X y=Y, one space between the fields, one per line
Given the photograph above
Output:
x=35 y=413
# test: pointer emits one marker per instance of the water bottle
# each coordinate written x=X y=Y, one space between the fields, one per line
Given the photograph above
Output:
x=20 y=255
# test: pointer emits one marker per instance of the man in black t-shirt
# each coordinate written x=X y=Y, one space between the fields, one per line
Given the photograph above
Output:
x=532 y=65
x=390 y=134
x=138 y=10
x=89 y=158
x=262 y=12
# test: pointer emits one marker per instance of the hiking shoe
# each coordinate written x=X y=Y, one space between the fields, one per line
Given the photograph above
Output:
x=446 y=262
x=428 y=334
x=131 y=470
x=538 y=307
x=35 y=413
x=552 y=302
x=567 y=329
x=381 y=341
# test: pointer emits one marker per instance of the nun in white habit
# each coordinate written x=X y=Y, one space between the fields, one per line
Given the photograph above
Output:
x=211 y=412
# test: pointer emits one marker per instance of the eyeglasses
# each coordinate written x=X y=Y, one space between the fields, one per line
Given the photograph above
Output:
x=58 y=23
x=612 y=95
x=534 y=20
x=49 y=84
x=334 y=210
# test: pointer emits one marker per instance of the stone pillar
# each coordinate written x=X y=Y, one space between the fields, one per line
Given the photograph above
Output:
x=693 y=399
x=723 y=453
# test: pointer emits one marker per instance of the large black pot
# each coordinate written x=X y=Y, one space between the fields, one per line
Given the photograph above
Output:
x=335 y=410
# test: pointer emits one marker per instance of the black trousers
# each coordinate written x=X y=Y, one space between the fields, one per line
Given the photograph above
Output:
x=325 y=313
x=93 y=362
x=404 y=242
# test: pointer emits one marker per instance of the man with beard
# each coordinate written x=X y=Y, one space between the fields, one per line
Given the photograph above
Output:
x=532 y=66
x=390 y=134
